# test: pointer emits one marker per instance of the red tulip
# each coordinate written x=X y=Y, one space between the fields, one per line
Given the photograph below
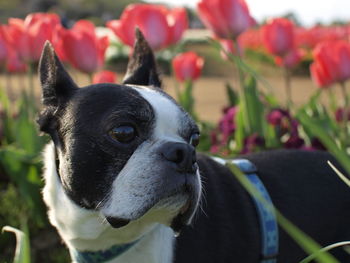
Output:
x=18 y=38
x=332 y=62
x=278 y=36
x=251 y=39
x=187 y=66
x=226 y=18
x=291 y=59
x=3 y=45
x=29 y=35
x=320 y=75
x=160 y=26
x=83 y=49
x=14 y=63
x=104 y=76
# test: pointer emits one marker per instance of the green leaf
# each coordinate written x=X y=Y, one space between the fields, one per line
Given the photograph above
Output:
x=22 y=253
x=253 y=110
x=233 y=98
x=318 y=129
x=240 y=132
x=241 y=64
x=186 y=99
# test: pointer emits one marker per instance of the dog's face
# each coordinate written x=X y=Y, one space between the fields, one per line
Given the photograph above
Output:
x=122 y=150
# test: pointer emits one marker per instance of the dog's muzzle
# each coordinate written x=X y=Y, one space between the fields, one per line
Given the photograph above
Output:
x=181 y=156
x=179 y=175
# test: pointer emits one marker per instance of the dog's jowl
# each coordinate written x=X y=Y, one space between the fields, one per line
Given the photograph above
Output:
x=123 y=182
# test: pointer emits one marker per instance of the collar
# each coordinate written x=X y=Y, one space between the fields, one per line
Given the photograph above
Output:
x=267 y=218
x=101 y=255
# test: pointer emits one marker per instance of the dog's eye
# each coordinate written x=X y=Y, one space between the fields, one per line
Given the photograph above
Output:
x=194 y=140
x=123 y=134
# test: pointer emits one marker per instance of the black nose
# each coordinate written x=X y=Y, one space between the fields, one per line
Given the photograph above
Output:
x=182 y=155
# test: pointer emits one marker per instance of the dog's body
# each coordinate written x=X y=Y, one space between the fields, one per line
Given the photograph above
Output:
x=122 y=169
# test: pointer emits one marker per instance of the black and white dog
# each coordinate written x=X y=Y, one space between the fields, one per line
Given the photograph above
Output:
x=122 y=174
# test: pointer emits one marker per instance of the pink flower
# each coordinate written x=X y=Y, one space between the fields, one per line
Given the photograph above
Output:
x=227 y=123
x=291 y=59
x=226 y=18
x=14 y=63
x=105 y=76
x=278 y=36
x=187 y=66
x=83 y=48
x=160 y=26
x=3 y=45
x=252 y=143
x=28 y=36
x=275 y=117
x=332 y=63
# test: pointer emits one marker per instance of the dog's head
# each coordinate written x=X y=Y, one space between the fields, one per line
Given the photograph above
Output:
x=122 y=150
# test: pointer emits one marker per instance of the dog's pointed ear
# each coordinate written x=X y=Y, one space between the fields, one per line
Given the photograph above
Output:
x=142 y=68
x=57 y=86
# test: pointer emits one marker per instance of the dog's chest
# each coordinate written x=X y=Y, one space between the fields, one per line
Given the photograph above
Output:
x=155 y=247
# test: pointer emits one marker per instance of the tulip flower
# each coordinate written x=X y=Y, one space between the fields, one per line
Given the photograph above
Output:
x=29 y=35
x=187 y=66
x=278 y=36
x=291 y=59
x=83 y=48
x=160 y=26
x=3 y=46
x=104 y=76
x=226 y=18
x=332 y=63
x=14 y=63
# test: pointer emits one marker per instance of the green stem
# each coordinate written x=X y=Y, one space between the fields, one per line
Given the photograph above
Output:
x=332 y=100
x=90 y=77
x=287 y=83
x=31 y=80
x=345 y=114
x=344 y=94
x=241 y=78
x=8 y=85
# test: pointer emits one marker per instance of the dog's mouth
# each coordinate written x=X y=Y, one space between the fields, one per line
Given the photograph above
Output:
x=181 y=202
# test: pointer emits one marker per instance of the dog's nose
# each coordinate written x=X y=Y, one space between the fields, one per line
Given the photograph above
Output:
x=181 y=154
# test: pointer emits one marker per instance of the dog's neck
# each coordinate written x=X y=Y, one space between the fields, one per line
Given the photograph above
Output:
x=85 y=230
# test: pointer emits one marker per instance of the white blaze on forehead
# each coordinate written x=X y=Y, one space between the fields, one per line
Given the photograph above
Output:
x=167 y=113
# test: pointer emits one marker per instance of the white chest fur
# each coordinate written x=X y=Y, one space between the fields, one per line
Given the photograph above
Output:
x=86 y=230
x=156 y=247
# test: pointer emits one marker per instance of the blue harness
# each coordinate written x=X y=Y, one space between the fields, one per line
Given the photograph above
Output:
x=102 y=255
x=267 y=218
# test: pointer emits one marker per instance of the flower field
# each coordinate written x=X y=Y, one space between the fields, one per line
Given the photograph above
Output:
x=250 y=86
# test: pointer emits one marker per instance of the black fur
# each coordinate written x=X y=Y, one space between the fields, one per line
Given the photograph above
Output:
x=80 y=119
x=142 y=68
x=301 y=185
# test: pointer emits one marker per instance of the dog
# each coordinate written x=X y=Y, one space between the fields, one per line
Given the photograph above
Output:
x=122 y=172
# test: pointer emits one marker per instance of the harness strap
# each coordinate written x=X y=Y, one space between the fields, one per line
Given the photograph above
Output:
x=101 y=255
x=267 y=217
